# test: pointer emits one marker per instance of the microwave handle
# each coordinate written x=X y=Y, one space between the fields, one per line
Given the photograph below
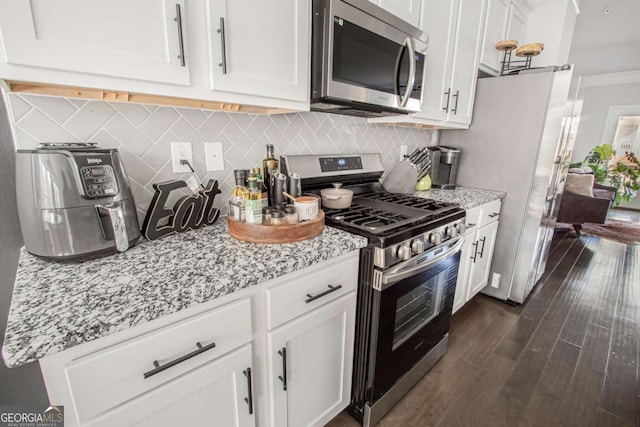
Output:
x=408 y=43
x=118 y=226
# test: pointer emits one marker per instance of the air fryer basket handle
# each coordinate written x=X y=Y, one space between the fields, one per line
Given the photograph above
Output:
x=118 y=226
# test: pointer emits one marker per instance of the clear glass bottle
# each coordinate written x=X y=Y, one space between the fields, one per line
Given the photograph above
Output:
x=277 y=218
x=253 y=202
x=269 y=164
x=237 y=203
x=262 y=187
x=267 y=211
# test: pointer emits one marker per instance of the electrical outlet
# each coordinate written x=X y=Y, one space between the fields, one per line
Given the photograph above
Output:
x=495 y=280
x=181 y=151
x=213 y=156
x=403 y=151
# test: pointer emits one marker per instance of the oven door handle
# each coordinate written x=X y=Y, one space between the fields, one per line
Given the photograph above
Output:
x=388 y=279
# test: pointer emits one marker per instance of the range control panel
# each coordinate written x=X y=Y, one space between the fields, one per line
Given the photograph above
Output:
x=335 y=164
x=98 y=181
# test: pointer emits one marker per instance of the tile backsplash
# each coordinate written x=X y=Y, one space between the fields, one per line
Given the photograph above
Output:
x=143 y=133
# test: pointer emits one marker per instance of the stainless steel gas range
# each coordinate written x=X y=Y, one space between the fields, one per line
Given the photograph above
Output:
x=407 y=276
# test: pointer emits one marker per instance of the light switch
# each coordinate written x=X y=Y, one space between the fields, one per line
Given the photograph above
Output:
x=213 y=156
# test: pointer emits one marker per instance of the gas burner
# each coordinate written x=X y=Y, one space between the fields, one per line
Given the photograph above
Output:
x=411 y=201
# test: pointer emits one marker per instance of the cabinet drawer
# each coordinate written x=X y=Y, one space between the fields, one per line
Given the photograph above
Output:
x=471 y=221
x=303 y=293
x=489 y=213
x=112 y=376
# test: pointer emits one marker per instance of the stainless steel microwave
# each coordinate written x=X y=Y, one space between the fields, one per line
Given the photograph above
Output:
x=365 y=61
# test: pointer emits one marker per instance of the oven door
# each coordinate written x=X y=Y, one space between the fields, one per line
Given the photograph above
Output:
x=369 y=61
x=415 y=304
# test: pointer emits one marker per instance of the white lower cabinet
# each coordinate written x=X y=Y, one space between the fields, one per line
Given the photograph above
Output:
x=310 y=365
x=477 y=252
x=224 y=362
x=211 y=395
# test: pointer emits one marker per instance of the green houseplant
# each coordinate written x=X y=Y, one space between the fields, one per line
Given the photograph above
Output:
x=622 y=172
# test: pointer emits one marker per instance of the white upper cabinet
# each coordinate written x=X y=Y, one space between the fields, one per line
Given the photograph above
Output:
x=455 y=30
x=504 y=20
x=142 y=39
x=408 y=10
x=260 y=47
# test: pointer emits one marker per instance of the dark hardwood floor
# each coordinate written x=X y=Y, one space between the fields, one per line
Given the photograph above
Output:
x=567 y=357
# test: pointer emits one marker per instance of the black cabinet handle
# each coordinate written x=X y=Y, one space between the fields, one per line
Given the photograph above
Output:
x=249 y=399
x=178 y=19
x=495 y=214
x=470 y=225
x=321 y=294
x=475 y=251
x=482 y=250
x=159 y=368
x=456 y=95
x=283 y=377
x=448 y=93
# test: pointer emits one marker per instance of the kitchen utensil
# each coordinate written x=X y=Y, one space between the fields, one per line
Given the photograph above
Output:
x=289 y=196
x=295 y=184
x=401 y=179
x=307 y=208
x=278 y=187
x=336 y=197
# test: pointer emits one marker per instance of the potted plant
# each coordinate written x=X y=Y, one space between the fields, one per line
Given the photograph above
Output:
x=622 y=172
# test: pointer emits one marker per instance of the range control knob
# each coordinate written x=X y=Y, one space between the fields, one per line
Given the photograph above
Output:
x=417 y=246
x=435 y=238
x=451 y=231
x=404 y=252
x=460 y=227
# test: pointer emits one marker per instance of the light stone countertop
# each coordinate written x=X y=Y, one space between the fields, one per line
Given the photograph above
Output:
x=467 y=198
x=56 y=306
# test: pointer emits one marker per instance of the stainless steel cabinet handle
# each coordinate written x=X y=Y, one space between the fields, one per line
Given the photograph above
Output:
x=283 y=377
x=223 y=47
x=482 y=250
x=456 y=95
x=249 y=398
x=475 y=251
x=321 y=294
x=178 y=19
x=448 y=93
x=470 y=225
x=495 y=214
x=159 y=368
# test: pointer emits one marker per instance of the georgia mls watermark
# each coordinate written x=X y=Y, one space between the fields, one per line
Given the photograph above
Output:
x=31 y=416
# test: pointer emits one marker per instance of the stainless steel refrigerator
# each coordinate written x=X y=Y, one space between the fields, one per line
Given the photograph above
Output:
x=519 y=142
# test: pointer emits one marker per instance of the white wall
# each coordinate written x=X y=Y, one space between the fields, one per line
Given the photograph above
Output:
x=551 y=22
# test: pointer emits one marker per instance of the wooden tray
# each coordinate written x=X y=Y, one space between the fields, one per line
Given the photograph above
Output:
x=257 y=233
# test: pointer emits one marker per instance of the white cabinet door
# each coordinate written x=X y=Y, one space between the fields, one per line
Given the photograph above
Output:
x=480 y=265
x=260 y=48
x=310 y=363
x=440 y=18
x=460 y=296
x=465 y=61
x=407 y=10
x=516 y=25
x=139 y=39
x=495 y=30
x=211 y=395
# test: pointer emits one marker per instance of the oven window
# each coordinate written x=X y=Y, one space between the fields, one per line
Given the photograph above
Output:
x=417 y=308
x=365 y=59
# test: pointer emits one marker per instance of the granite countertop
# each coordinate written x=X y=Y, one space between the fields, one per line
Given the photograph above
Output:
x=56 y=306
x=467 y=198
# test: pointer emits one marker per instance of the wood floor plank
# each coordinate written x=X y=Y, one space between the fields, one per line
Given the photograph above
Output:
x=620 y=385
x=599 y=297
x=606 y=419
x=629 y=298
x=545 y=406
x=582 y=399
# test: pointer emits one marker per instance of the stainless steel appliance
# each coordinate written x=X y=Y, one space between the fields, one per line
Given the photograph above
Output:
x=444 y=166
x=407 y=277
x=516 y=144
x=365 y=61
x=74 y=201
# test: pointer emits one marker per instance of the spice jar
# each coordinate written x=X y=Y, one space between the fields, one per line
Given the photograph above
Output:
x=267 y=212
x=291 y=215
x=277 y=218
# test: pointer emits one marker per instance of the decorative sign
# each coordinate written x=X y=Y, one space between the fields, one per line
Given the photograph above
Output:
x=189 y=212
